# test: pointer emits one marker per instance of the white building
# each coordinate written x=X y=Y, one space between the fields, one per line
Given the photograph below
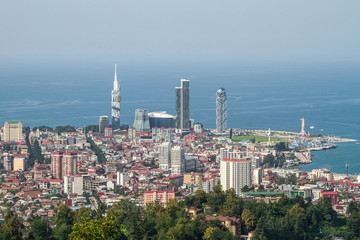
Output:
x=197 y=128
x=257 y=174
x=235 y=173
x=229 y=154
x=164 y=156
x=13 y=131
x=209 y=183
x=74 y=184
x=177 y=160
x=121 y=178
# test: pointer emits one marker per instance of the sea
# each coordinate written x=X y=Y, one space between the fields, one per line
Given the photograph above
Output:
x=259 y=96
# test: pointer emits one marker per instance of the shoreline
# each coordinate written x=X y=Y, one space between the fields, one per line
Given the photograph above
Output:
x=343 y=140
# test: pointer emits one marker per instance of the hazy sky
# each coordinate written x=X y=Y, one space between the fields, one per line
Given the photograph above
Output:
x=182 y=30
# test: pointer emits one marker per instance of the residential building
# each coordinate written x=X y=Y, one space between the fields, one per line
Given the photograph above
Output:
x=13 y=131
x=161 y=197
x=121 y=179
x=235 y=173
x=177 y=156
x=103 y=123
x=74 y=184
x=8 y=161
x=233 y=224
x=20 y=162
x=193 y=178
x=63 y=164
x=108 y=132
x=164 y=156
x=141 y=122
x=209 y=183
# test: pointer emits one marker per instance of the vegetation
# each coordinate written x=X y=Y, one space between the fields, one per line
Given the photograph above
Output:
x=284 y=219
x=281 y=146
x=256 y=138
x=43 y=128
x=92 y=128
x=273 y=161
x=98 y=152
x=63 y=129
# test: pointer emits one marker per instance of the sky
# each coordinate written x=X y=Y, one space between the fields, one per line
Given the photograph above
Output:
x=136 y=31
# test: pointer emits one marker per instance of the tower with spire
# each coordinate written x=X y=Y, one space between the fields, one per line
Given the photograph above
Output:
x=115 y=104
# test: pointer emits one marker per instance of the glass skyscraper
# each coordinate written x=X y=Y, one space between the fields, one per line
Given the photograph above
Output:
x=221 y=110
x=183 y=105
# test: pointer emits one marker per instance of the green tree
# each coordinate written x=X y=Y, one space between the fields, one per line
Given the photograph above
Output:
x=216 y=198
x=233 y=204
x=281 y=146
x=248 y=219
x=12 y=226
x=245 y=188
x=82 y=215
x=98 y=229
x=353 y=223
x=40 y=229
x=63 y=222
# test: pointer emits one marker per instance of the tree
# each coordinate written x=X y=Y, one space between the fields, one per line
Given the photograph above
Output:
x=216 y=198
x=261 y=188
x=61 y=129
x=40 y=229
x=353 y=223
x=183 y=230
x=82 y=215
x=352 y=206
x=98 y=229
x=269 y=160
x=245 y=188
x=208 y=233
x=233 y=205
x=248 y=218
x=63 y=222
x=281 y=146
x=12 y=226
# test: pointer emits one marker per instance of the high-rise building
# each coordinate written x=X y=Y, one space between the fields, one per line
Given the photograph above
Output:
x=20 y=162
x=163 y=134
x=164 y=156
x=63 y=164
x=115 y=104
x=182 y=93
x=13 y=131
x=69 y=164
x=141 y=122
x=74 y=184
x=162 y=197
x=103 y=123
x=221 y=110
x=132 y=134
x=235 y=173
x=56 y=164
x=108 y=132
x=177 y=156
x=161 y=119
x=121 y=179
x=8 y=161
